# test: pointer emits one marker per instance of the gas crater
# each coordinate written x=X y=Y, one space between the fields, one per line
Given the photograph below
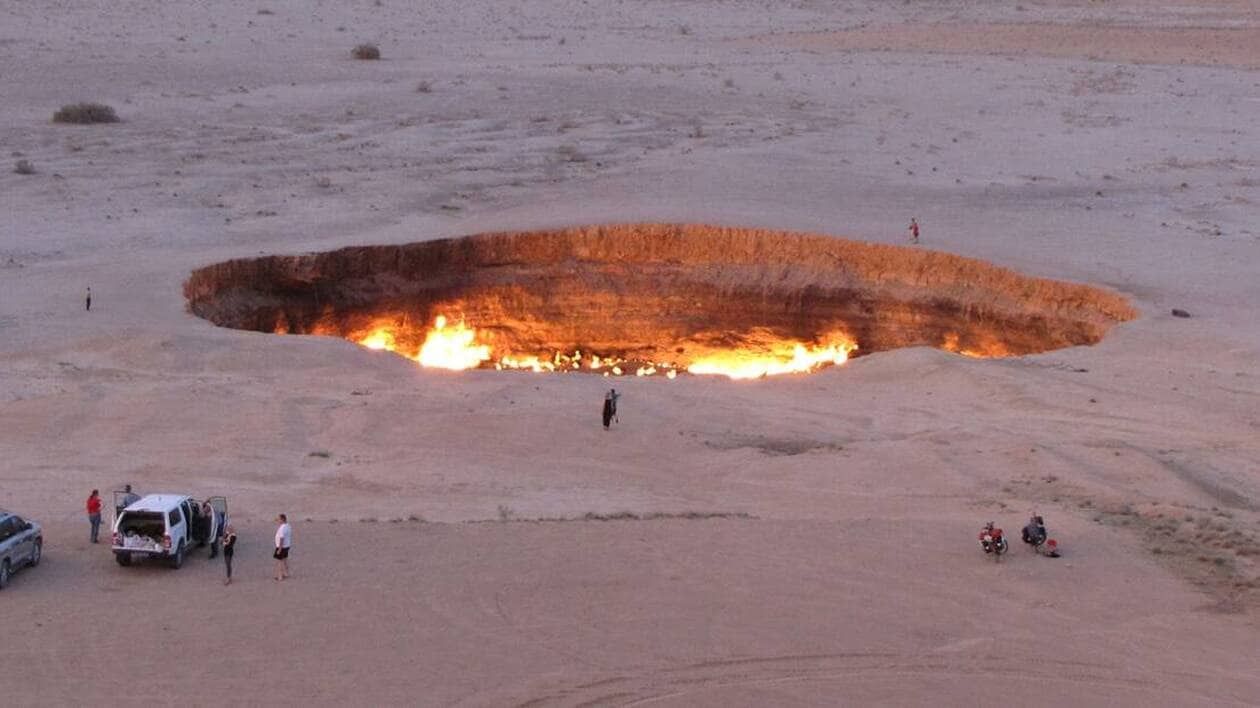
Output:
x=652 y=299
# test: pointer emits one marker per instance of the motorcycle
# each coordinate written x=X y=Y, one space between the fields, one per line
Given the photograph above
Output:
x=993 y=541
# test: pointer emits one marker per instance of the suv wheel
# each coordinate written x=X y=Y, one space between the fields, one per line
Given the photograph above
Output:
x=124 y=559
x=177 y=560
x=4 y=574
x=36 y=553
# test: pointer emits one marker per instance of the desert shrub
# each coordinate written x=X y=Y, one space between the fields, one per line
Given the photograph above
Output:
x=424 y=87
x=366 y=51
x=570 y=153
x=85 y=113
x=24 y=167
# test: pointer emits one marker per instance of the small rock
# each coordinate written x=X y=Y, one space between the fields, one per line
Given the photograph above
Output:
x=1179 y=313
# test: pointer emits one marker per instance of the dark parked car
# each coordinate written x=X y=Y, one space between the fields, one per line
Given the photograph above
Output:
x=21 y=544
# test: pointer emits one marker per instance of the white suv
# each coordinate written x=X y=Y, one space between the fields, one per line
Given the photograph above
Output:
x=166 y=526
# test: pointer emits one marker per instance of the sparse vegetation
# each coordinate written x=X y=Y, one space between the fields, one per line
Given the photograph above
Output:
x=320 y=453
x=424 y=87
x=24 y=167
x=366 y=51
x=570 y=153
x=624 y=516
x=85 y=113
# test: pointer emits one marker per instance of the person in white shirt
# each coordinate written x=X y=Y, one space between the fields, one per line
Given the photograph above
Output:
x=284 y=541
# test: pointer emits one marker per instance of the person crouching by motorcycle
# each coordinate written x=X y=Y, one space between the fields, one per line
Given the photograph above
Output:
x=992 y=540
x=1035 y=532
x=1036 y=536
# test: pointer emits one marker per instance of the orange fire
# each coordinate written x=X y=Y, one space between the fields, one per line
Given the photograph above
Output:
x=987 y=349
x=455 y=346
x=380 y=339
x=783 y=358
x=452 y=347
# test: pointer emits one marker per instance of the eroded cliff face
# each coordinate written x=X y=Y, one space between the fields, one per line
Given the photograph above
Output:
x=656 y=293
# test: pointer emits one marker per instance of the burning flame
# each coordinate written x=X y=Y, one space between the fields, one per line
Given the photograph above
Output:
x=988 y=349
x=454 y=346
x=752 y=365
x=380 y=339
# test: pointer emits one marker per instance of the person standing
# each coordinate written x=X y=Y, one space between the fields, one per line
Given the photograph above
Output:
x=89 y=299
x=229 y=549
x=914 y=230
x=613 y=392
x=610 y=407
x=94 y=513
x=128 y=498
x=284 y=541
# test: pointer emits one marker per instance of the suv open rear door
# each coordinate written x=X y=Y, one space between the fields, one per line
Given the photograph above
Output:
x=219 y=504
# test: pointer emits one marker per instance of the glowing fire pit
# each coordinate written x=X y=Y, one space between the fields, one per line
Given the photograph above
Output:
x=652 y=299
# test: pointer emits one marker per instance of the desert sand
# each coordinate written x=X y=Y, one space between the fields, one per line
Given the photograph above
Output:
x=801 y=540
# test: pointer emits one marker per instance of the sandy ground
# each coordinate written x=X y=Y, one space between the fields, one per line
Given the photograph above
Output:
x=1111 y=143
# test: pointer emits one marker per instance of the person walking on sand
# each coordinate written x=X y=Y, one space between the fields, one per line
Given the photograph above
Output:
x=94 y=513
x=89 y=299
x=610 y=407
x=284 y=541
x=914 y=230
x=613 y=392
x=229 y=548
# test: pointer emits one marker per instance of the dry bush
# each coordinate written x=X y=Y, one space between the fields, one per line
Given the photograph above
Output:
x=366 y=51
x=24 y=167
x=87 y=112
x=424 y=87
x=570 y=153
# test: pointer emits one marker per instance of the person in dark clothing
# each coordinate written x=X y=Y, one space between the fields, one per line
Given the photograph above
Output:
x=89 y=299
x=229 y=548
x=610 y=406
x=1035 y=531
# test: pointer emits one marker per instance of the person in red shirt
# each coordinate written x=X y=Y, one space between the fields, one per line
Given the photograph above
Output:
x=94 y=513
x=914 y=230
